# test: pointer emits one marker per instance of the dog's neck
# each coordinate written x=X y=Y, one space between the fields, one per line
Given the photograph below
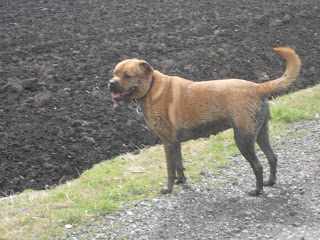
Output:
x=138 y=101
x=151 y=85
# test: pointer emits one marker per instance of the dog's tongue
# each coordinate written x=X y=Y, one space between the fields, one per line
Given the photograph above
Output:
x=121 y=95
x=116 y=95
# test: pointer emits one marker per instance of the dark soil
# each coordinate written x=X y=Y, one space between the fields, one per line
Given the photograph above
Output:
x=56 y=115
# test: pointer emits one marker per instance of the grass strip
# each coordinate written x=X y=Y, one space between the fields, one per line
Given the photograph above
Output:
x=112 y=184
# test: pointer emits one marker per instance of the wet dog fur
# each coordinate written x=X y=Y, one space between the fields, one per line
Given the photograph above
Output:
x=177 y=110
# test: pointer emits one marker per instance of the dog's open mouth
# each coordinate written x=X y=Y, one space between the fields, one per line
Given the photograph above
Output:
x=122 y=95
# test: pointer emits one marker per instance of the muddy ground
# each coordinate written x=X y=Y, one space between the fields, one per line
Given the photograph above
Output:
x=56 y=115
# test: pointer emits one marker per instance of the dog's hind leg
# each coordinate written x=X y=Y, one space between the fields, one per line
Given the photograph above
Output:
x=245 y=143
x=264 y=143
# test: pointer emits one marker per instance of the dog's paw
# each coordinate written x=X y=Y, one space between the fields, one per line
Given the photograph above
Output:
x=165 y=191
x=269 y=183
x=180 y=181
x=256 y=192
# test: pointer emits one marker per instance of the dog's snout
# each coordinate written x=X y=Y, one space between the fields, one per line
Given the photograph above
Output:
x=113 y=84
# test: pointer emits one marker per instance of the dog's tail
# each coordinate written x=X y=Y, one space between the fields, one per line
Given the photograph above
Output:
x=292 y=71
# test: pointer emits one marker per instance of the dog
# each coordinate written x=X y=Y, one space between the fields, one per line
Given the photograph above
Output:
x=178 y=110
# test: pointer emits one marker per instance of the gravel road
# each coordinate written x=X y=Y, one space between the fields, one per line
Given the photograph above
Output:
x=219 y=206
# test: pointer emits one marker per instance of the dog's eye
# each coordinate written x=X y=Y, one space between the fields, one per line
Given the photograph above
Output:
x=126 y=75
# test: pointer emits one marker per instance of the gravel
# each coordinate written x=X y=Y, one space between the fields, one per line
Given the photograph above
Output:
x=219 y=207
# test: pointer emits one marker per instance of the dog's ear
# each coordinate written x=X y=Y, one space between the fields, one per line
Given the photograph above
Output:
x=145 y=66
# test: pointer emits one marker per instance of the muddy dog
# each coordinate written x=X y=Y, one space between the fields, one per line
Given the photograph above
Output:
x=177 y=110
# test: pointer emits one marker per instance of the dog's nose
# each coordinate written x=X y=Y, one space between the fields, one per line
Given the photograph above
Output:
x=113 y=83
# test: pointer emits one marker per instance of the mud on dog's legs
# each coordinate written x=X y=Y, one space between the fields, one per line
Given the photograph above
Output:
x=173 y=152
x=179 y=166
x=264 y=143
x=245 y=143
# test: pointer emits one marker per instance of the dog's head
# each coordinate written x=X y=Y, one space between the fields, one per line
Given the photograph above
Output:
x=131 y=79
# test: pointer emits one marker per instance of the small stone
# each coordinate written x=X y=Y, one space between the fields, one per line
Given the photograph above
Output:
x=13 y=86
x=47 y=165
x=292 y=213
x=41 y=99
x=88 y=140
x=248 y=213
x=77 y=123
x=263 y=77
x=68 y=226
x=3 y=135
x=30 y=84
x=186 y=186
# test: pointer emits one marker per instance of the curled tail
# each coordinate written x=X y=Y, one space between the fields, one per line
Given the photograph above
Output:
x=292 y=71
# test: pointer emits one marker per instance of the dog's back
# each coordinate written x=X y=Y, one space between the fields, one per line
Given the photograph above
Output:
x=220 y=104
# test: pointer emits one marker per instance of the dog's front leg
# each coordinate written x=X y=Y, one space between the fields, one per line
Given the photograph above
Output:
x=173 y=151
x=179 y=167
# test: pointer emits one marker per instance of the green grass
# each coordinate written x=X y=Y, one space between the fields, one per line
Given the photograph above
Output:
x=299 y=106
x=289 y=110
x=112 y=184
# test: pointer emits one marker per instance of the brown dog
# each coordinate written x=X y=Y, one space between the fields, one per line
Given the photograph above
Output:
x=177 y=110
